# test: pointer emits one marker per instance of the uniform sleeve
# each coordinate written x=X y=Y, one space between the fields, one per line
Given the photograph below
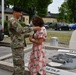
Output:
x=18 y=28
x=42 y=33
x=26 y=35
x=28 y=29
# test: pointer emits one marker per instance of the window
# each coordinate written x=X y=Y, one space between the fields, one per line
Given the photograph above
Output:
x=6 y=17
x=23 y=19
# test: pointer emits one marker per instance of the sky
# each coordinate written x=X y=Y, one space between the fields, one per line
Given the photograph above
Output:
x=53 y=7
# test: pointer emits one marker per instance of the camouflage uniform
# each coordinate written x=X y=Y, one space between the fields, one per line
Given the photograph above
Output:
x=17 y=33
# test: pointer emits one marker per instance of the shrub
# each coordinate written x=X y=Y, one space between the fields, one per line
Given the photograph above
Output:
x=6 y=28
x=23 y=24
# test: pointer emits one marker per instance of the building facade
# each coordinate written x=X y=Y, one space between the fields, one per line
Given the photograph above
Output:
x=8 y=14
x=51 y=17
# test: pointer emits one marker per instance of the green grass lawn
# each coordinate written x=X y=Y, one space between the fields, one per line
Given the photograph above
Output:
x=62 y=37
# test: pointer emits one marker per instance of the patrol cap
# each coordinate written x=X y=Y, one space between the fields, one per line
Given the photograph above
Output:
x=17 y=9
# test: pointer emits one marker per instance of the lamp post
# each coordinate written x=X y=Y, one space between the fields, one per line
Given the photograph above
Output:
x=3 y=14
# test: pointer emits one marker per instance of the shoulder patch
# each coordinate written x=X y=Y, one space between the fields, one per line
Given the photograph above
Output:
x=13 y=22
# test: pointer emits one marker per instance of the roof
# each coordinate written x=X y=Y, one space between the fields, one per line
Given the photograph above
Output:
x=52 y=15
x=8 y=10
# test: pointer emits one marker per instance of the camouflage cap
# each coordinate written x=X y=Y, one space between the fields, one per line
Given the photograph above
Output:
x=16 y=8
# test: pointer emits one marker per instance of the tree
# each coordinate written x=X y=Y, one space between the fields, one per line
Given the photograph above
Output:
x=72 y=7
x=6 y=3
x=41 y=7
x=64 y=13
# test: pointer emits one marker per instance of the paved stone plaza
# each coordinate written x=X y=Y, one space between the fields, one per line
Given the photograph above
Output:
x=6 y=60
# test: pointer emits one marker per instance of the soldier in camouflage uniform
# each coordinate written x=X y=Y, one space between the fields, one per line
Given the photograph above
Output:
x=17 y=33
